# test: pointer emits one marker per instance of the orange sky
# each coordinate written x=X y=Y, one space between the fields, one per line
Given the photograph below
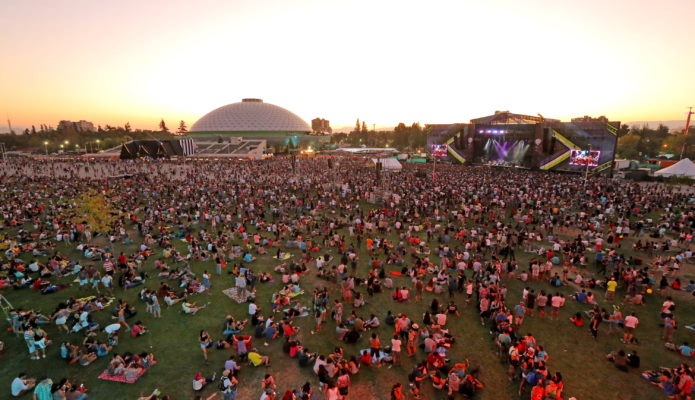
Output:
x=380 y=61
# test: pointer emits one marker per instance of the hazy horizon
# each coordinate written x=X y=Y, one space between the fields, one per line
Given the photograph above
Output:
x=382 y=62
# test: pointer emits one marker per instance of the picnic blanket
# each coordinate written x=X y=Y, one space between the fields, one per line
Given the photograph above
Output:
x=293 y=294
x=286 y=256
x=233 y=293
x=89 y=298
x=121 y=378
x=304 y=313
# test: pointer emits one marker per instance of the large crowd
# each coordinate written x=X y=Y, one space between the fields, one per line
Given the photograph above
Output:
x=458 y=236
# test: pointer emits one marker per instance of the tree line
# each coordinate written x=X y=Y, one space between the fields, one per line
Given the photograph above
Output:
x=402 y=137
x=72 y=138
x=643 y=142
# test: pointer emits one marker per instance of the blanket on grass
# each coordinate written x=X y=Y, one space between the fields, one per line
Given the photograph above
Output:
x=121 y=378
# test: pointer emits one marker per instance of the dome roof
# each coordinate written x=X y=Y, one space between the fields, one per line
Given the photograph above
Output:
x=250 y=115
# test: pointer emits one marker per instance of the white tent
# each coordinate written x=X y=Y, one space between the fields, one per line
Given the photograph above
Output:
x=684 y=167
x=390 y=164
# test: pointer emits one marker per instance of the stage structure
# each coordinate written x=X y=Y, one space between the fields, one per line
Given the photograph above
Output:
x=525 y=141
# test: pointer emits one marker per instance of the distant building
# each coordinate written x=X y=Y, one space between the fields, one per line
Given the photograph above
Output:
x=587 y=118
x=320 y=125
x=80 y=126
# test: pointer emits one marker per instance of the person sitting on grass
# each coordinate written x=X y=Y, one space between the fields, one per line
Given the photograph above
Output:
x=170 y=298
x=255 y=359
x=22 y=385
x=618 y=358
x=577 y=319
x=85 y=358
x=138 y=329
x=191 y=308
x=199 y=382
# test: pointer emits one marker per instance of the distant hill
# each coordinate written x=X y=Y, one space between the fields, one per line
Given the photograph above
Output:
x=672 y=125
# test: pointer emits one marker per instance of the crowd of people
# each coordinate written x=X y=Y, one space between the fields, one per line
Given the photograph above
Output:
x=458 y=239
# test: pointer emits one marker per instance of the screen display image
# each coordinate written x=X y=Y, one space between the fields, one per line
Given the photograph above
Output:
x=439 y=150
x=585 y=157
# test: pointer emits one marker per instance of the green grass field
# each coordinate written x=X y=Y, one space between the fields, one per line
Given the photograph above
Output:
x=173 y=339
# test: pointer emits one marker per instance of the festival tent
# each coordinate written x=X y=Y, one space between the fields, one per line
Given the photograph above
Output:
x=389 y=164
x=684 y=167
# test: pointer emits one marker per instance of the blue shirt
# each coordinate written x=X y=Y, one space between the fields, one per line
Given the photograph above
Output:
x=270 y=332
x=581 y=297
x=519 y=310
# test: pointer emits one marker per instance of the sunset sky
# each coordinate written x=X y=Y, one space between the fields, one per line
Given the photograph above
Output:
x=381 y=61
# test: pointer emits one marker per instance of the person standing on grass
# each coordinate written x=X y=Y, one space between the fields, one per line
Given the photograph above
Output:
x=610 y=288
x=228 y=385
x=631 y=322
x=669 y=327
x=396 y=349
x=596 y=320
x=374 y=346
x=520 y=311
x=204 y=340
x=412 y=340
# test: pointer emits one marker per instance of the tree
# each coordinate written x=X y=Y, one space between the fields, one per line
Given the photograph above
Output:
x=338 y=137
x=126 y=127
x=26 y=131
x=400 y=136
x=182 y=128
x=628 y=146
x=163 y=126
x=624 y=130
x=357 y=125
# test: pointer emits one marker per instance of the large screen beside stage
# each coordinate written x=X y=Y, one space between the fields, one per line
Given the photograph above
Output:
x=438 y=150
x=585 y=157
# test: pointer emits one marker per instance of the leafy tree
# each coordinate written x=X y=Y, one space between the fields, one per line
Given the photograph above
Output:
x=400 y=136
x=26 y=131
x=126 y=127
x=182 y=128
x=628 y=146
x=163 y=126
x=338 y=137
x=623 y=130
x=33 y=130
x=357 y=125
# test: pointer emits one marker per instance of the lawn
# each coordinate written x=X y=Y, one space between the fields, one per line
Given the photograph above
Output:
x=173 y=339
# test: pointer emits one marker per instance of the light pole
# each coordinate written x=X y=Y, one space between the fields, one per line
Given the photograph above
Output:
x=45 y=146
x=98 y=145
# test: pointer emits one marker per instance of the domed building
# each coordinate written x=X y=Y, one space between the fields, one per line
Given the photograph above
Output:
x=250 y=118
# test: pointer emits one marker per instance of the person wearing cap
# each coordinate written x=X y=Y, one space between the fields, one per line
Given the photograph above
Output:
x=199 y=381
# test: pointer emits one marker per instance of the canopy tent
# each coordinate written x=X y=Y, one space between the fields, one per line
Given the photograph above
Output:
x=390 y=164
x=684 y=167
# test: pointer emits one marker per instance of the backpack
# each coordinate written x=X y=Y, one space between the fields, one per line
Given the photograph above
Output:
x=221 y=385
